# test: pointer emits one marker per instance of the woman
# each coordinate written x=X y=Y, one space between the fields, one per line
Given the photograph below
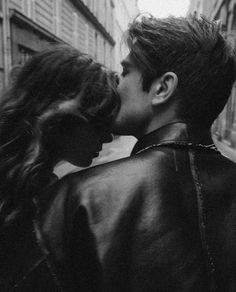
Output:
x=60 y=107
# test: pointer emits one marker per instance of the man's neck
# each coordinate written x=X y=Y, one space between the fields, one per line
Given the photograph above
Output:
x=160 y=118
x=158 y=126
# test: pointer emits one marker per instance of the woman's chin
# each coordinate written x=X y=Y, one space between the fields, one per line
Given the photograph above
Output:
x=82 y=162
x=85 y=163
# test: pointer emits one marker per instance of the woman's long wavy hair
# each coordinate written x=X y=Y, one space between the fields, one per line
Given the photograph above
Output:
x=55 y=90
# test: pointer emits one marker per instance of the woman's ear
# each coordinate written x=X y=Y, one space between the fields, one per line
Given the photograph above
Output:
x=163 y=88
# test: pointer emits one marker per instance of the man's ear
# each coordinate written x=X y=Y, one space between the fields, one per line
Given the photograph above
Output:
x=164 y=87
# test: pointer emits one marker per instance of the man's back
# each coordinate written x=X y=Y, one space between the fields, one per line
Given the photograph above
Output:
x=163 y=219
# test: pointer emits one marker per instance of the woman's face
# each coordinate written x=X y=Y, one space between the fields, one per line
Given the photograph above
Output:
x=83 y=143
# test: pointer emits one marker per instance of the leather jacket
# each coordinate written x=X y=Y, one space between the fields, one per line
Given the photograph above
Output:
x=29 y=264
x=163 y=219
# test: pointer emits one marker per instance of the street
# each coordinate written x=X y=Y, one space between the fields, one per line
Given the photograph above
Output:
x=226 y=150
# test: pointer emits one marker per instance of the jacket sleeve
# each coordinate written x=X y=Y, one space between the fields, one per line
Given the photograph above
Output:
x=66 y=237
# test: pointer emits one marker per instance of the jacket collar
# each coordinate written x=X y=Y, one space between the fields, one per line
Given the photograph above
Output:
x=174 y=132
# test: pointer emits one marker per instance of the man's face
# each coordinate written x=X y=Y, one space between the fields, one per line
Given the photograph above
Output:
x=135 y=111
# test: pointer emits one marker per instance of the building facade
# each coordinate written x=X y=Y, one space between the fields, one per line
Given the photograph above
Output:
x=27 y=26
x=224 y=128
x=201 y=7
x=92 y=26
x=125 y=11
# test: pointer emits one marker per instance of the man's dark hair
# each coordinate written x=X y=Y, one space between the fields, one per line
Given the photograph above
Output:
x=196 y=51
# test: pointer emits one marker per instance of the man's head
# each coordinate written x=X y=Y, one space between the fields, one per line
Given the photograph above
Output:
x=196 y=62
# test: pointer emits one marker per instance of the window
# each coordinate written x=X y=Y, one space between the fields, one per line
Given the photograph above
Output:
x=24 y=54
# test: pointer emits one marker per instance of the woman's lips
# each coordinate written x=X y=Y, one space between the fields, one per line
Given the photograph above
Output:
x=96 y=153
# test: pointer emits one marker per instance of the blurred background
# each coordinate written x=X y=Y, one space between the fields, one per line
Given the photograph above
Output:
x=96 y=27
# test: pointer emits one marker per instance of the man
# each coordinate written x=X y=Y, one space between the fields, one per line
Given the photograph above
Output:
x=164 y=219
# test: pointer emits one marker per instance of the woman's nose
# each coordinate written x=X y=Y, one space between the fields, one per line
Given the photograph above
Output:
x=107 y=138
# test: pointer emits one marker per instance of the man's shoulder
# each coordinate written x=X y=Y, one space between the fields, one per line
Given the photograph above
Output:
x=118 y=170
x=102 y=175
x=115 y=181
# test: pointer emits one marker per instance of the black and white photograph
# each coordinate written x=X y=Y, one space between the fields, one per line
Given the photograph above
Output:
x=117 y=146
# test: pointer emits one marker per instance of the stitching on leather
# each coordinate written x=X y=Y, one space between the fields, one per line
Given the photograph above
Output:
x=202 y=219
x=28 y=273
x=175 y=160
x=42 y=245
